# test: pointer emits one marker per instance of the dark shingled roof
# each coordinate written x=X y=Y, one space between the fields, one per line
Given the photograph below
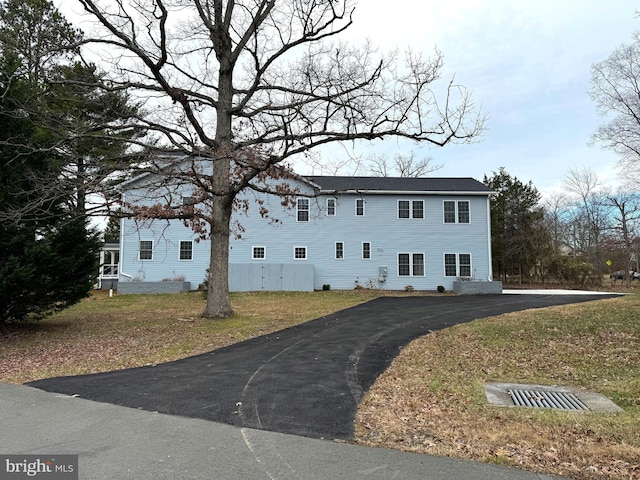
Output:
x=397 y=184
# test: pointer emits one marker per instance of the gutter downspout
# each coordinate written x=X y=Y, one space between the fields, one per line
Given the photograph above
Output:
x=489 y=238
x=121 y=248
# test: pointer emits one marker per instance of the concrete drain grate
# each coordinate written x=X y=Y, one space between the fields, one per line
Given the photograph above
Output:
x=546 y=399
x=542 y=396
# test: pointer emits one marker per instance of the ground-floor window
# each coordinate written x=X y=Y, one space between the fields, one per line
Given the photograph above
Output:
x=259 y=253
x=457 y=264
x=366 y=250
x=300 y=253
x=339 y=250
x=186 y=250
x=145 y=251
x=411 y=264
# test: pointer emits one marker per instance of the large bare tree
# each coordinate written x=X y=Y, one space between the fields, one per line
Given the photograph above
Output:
x=615 y=89
x=246 y=85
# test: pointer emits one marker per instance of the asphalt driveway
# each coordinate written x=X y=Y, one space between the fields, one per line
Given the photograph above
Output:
x=306 y=380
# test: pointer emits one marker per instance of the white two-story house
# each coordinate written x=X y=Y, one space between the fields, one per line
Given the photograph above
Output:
x=343 y=232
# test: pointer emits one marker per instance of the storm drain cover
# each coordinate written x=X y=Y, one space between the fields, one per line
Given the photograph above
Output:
x=546 y=399
x=544 y=396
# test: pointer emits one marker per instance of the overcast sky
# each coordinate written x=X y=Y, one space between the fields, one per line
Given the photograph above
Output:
x=528 y=63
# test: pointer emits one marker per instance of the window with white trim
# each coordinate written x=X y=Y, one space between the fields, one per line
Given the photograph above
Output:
x=410 y=208
x=366 y=250
x=411 y=264
x=456 y=211
x=258 y=253
x=299 y=253
x=464 y=264
x=145 y=250
x=457 y=264
x=302 y=208
x=186 y=250
x=359 y=207
x=463 y=211
x=331 y=207
x=339 y=250
x=450 y=265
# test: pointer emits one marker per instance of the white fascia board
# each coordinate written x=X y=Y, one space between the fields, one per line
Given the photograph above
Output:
x=403 y=192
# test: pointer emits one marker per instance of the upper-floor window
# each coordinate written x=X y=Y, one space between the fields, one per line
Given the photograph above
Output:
x=145 y=251
x=331 y=206
x=410 y=209
x=302 y=208
x=186 y=250
x=359 y=207
x=259 y=253
x=456 y=211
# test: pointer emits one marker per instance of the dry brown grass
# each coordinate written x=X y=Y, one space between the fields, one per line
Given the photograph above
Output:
x=102 y=333
x=431 y=400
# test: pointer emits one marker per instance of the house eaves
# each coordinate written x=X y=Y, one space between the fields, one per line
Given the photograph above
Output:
x=401 y=185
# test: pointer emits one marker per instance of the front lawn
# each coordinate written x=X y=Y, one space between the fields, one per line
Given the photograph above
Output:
x=431 y=400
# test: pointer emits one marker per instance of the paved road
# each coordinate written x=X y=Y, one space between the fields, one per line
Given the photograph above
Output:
x=306 y=380
x=119 y=443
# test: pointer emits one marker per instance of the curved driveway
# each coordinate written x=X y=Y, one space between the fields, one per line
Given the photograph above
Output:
x=306 y=380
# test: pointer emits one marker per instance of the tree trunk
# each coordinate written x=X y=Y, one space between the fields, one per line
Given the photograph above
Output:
x=218 y=300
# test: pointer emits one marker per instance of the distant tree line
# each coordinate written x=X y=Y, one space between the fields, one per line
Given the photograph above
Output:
x=576 y=237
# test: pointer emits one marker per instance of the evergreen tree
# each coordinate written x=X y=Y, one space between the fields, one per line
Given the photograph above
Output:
x=517 y=233
x=55 y=135
x=49 y=259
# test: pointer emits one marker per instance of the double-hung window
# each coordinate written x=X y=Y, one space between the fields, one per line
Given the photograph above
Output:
x=403 y=209
x=366 y=250
x=457 y=264
x=339 y=250
x=359 y=207
x=145 y=251
x=411 y=264
x=456 y=211
x=302 y=208
x=410 y=209
x=331 y=207
x=186 y=250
